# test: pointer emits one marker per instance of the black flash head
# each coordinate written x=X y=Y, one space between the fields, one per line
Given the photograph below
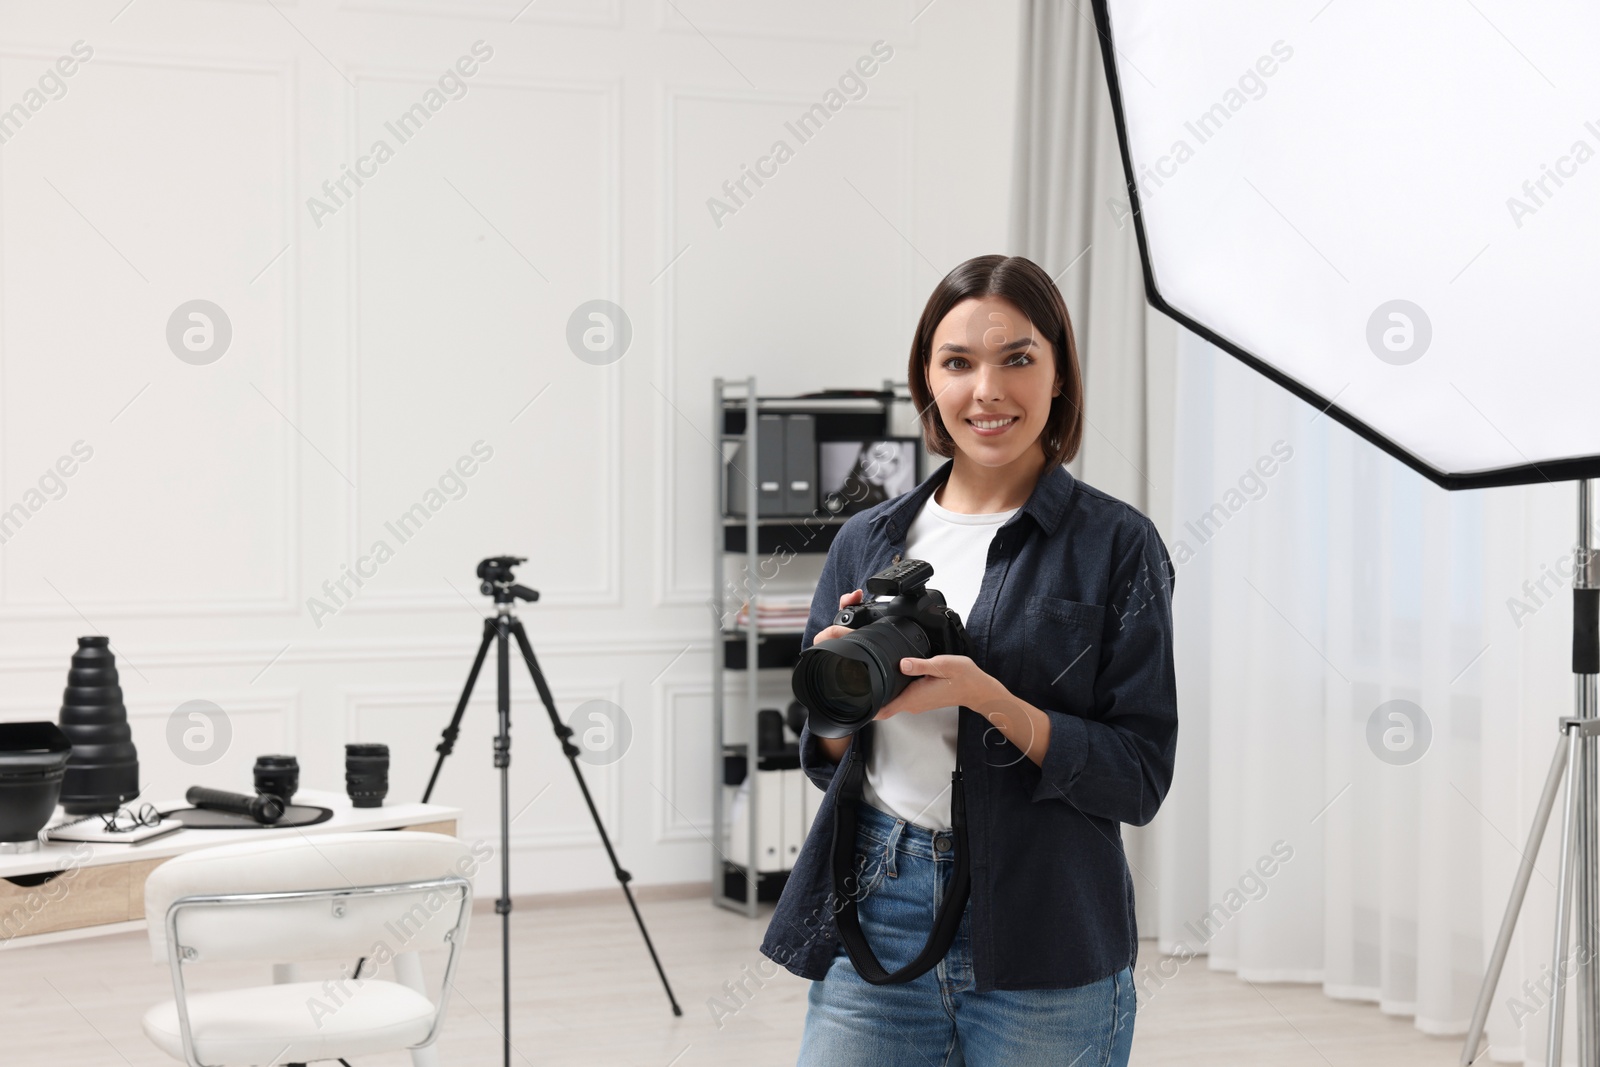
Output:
x=905 y=578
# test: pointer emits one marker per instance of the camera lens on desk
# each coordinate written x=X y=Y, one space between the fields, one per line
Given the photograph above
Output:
x=366 y=774
x=277 y=775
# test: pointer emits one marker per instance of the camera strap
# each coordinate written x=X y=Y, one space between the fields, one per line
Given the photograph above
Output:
x=848 y=921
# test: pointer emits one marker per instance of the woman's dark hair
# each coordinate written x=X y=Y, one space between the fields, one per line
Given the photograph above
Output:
x=1025 y=284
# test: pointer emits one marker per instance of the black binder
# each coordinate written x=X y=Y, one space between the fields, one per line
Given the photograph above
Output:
x=800 y=465
x=768 y=478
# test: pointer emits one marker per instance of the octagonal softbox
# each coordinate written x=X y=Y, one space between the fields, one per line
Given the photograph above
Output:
x=1390 y=209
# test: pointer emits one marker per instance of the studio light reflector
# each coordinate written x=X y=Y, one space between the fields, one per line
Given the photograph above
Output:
x=1391 y=209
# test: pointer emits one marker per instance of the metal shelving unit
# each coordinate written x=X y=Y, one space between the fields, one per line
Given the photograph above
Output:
x=736 y=647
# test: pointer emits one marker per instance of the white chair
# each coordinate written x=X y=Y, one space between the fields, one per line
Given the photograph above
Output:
x=378 y=895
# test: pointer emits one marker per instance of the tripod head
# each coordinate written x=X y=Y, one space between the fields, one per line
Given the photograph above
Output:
x=496 y=580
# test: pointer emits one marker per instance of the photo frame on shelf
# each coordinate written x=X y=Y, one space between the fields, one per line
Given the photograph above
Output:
x=855 y=473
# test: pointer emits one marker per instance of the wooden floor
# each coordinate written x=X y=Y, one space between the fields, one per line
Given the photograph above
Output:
x=585 y=994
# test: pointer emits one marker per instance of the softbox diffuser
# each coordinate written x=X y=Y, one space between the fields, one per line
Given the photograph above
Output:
x=1391 y=209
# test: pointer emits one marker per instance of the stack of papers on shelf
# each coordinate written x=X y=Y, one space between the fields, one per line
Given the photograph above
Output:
x=777 y=611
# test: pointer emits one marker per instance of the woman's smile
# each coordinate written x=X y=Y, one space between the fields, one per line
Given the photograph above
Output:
x=992 y=426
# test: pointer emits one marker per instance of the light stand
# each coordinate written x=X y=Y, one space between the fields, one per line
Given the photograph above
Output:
x=500 y=583
x=1572 y=769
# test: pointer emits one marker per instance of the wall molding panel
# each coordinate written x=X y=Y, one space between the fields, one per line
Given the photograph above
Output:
x=678 y=819
x=225 y=534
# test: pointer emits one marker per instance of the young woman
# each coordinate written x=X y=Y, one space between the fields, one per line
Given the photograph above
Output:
x=1061 y=724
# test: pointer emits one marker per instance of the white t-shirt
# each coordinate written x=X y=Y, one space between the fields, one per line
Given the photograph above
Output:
x=914 y=754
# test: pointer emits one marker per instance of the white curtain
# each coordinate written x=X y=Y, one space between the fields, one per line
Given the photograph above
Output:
x=1069 y=214
x=1318 y=580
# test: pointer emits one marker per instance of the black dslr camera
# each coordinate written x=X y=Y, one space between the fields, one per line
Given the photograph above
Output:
x=844 y=683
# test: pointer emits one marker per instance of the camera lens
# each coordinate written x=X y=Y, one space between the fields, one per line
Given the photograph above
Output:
x=277 y=776
x=845 y=682
x=366 y=774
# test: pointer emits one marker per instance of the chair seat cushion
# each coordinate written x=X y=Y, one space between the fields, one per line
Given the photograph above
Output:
x=295 y=1022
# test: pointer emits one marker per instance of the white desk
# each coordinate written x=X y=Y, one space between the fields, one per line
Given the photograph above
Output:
x=100 y=887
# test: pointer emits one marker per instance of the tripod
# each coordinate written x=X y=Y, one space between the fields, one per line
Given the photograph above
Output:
x=1575 y=771
x=500 y=583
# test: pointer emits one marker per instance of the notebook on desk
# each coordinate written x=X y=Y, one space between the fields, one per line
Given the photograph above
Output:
x=92 y=829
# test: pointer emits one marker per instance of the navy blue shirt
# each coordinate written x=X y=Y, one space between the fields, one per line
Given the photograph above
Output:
x=1073 y=615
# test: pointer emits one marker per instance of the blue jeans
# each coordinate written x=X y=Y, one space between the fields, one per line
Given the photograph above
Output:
x=938 y=1018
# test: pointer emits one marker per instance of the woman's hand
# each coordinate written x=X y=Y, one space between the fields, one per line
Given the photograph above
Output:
x=941 y=681
x=946 y=680
x=836 y=747
x=829 y=633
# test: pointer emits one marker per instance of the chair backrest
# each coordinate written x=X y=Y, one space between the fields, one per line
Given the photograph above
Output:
x=226 y=911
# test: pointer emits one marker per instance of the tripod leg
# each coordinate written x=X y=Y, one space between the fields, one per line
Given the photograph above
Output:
x=564 y=734
x=1582 y=896
x=1519 y=890
x=1569 y=830
x=502 y=760
x=448 y=741
x=1589 y=939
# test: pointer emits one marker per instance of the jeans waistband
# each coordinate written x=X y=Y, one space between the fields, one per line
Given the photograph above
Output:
x=891 y=831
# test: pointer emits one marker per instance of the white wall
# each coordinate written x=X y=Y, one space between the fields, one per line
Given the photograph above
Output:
x=374 y=346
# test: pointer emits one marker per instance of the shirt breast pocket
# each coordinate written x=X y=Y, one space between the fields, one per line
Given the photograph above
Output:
x=1061 y=653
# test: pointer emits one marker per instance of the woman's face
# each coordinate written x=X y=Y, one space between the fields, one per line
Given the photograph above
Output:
x=992 y=375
